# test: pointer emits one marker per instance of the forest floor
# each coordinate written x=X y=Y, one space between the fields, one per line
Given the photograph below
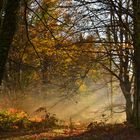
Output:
x=93 y=132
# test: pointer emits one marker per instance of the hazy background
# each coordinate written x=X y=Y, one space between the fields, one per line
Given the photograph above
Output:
x=92 y=102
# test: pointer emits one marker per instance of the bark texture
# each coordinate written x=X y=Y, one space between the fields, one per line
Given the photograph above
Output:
x=136 y=43
x=126 y=89
x=8 y=28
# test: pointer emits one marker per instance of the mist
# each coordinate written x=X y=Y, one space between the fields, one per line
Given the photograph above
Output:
x=92 y=102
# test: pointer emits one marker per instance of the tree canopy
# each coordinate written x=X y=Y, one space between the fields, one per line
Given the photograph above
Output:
x=61 y=42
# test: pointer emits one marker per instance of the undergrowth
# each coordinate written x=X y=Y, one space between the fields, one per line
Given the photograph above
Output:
x=14 y=119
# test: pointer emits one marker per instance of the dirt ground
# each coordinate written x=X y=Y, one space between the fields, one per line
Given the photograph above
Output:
x=98 y=132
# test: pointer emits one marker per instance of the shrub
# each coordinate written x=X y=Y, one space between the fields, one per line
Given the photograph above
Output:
x=13 y=119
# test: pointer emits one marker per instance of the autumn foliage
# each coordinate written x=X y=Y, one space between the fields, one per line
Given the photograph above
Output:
x=14 y=119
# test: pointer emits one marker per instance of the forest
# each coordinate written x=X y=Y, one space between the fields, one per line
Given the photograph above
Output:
x=70 y=69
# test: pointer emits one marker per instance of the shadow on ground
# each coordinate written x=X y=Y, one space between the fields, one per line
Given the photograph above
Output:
x=110 y=132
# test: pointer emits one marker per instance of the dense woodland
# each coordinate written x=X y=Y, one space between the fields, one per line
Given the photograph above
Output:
x=58 y=43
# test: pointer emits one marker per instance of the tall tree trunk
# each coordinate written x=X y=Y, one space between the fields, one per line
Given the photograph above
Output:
x=1 y=6
x=126 y=88
x=7 y=31
x=129 y=109
x=136 y=43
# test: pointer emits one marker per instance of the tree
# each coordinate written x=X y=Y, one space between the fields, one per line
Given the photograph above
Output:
x=9 y=14
x=136 y=44
x=44 y=50
x=61 y=29
x=111 y=23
